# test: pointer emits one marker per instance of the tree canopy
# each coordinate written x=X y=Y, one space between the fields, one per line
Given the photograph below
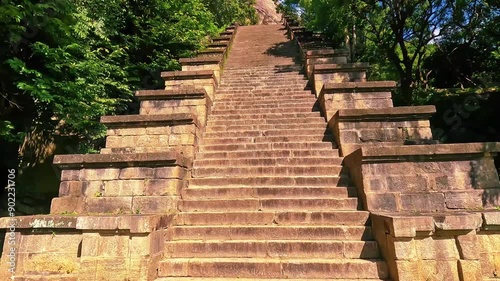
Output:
x=421 y=43
x=65 y=63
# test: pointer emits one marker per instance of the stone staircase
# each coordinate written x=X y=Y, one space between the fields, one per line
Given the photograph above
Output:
x=268 y=198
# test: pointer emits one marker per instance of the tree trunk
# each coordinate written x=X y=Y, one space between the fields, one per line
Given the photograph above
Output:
x=406 y=88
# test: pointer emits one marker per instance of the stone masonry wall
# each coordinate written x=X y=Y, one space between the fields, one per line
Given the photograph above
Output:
x=432 y=205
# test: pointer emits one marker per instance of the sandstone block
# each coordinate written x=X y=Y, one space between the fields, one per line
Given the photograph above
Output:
x=114 y=205
x=470 y=270
x=437 y=248
x=67 y=204
x=71 y=188
x=100 y=174
x=136 y=173
x=163 y=187
x=154 y=204
x=121 y=188
x=70 y=175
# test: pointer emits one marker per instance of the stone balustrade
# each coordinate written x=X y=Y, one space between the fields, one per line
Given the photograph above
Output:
x=355 y=95
x=186 y=100
x=445 y=246
x=69 y=247
x=433 y=206
x=337 y=73
x=380 y=127
x=114 y=207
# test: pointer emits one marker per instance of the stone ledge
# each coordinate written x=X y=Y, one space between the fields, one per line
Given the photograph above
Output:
x=389 y=114
x=170 y=158
x=227 y=32
x=132 y=223
x=212 y=51
x=187 y=75
x=221 y=38
x=413 y=225
x=331 y=68
x=39 y=222
x=327 y=53
x=186 y=93
x=491 y=220
x=357 y=87
x=145 y=120
x=431 y=151
x=201 y=60
x=218 y=44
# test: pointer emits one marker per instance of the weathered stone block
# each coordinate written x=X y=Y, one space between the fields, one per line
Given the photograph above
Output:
x=113 y=245
x=470 y=270
x=404 y=248
x=154 y=204
x=113 y=205
x=423 y=202
x=437 y=248
x=100 y=174
x=408 y=270
x=137 y=173
x=407 y=183
x=93 y=188
x=383 y=201
x=439 y=270
x=471 y=199
x=71 y=188
x=163 y=187
x=468 y=246
x=122 y=188
x=70 y=175
x=169 y=173
x=140 y=246
x=67 y=204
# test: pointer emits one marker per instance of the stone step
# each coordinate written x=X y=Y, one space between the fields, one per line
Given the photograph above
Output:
x=267 y=279
x=266 y=192
x=312 y=118
x=266 y=133
x=268 y=146
x=265 y=127
x=282 y=218
x=325 y=181
x=265 y=79
x=273 y=249
x=273 y=268
x=227 y=83
x=261 y=161
x=267 y=154
x=253 y=95
x=252 y=90
x=203 y=171
x=249 y=140
x=309 y=100
x=273 y=85
x=278 y=204
x=303 y=109
x=257 y=92
x=244 y=232
x=277 y=69
x=287 y=105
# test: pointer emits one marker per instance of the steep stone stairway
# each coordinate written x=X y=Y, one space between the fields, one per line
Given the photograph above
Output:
x=268 y=198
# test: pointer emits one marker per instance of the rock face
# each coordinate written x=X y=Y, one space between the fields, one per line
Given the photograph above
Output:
x=266 y=9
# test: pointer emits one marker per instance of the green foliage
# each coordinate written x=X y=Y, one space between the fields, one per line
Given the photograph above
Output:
x=63 y=63
x=230 y=11
x=66 y=63
x=397 y=37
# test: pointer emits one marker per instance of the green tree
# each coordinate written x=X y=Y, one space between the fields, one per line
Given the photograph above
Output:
x=403 y=31
x=230 y=11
